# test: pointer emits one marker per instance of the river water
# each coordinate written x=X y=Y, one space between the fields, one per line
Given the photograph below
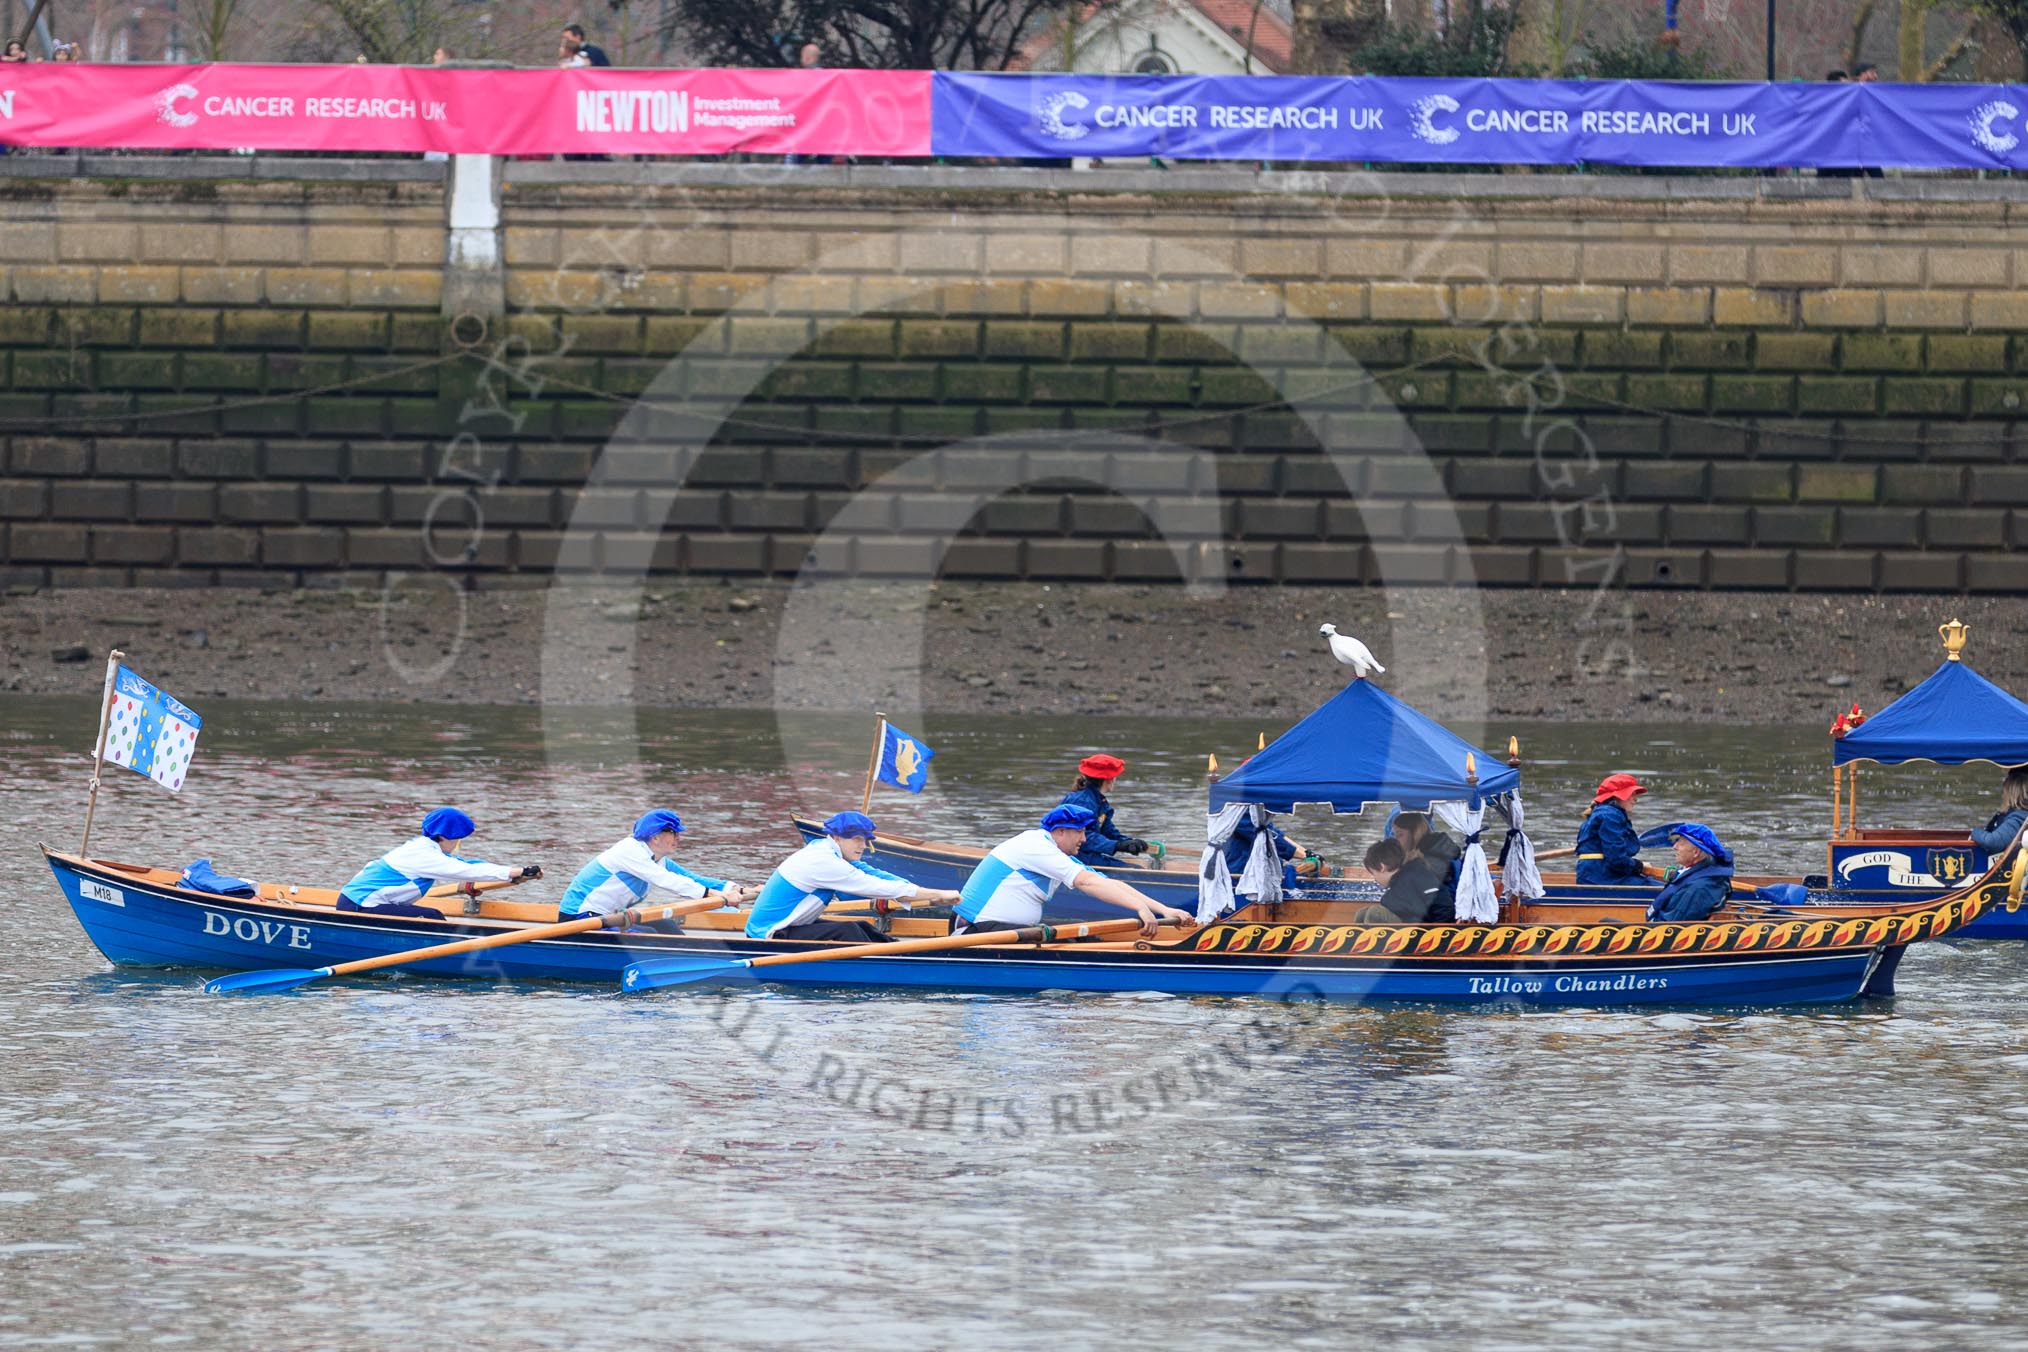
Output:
x=368 y=1164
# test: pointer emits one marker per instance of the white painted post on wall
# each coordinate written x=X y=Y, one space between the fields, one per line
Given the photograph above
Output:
x=474 y=281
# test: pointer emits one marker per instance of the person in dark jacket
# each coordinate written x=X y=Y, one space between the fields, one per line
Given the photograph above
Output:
x=1239 y=849
x=575 y=43
x=1414 y=891
x=1608 y=847
x=1104 y=843
x=1702 y=879
x=2006 y=823
x=1419 y=841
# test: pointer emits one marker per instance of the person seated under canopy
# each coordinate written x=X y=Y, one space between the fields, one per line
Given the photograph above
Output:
x=1420 y=842
x=1702 y=879
x=1414 y=890
x=2006 y=823
x=1239 y=849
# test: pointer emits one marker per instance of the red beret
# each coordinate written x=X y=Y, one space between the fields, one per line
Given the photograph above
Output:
x=1617 y=786
x=1101 y=767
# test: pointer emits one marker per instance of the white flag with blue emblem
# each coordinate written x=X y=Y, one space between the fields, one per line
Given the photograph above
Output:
x=150 y=731
x=904 y=760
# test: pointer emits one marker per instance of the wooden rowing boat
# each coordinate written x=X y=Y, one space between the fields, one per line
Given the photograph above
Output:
x=137 y=915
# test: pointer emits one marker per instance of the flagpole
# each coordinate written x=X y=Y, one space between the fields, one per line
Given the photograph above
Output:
x=99 y=749
x=873 y=760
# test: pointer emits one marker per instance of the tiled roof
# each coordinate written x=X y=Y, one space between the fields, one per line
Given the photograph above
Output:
x=1272 y=42
x=1238 y=19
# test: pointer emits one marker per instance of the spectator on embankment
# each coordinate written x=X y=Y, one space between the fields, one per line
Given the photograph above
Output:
x=575 y=44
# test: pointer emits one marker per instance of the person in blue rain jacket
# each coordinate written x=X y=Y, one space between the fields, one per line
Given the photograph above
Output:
x=1608 y=847
x=1239 y=849
x=1105 y=845
x=1702 y=879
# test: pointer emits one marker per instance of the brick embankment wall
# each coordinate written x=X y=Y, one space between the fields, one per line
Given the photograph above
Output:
x=1685 y=384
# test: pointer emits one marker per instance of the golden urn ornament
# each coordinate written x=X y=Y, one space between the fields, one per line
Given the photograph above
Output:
x=1953 y=636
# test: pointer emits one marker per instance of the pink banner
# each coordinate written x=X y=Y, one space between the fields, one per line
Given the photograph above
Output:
x=499 y=112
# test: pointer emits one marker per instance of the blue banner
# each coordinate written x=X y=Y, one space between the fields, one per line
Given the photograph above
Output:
x=1435 y=121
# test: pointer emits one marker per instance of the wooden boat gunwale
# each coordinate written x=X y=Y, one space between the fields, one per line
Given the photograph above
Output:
x=1345 y=961
x=1627 y=904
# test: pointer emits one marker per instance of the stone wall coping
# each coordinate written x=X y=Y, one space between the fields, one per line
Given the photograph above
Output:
x=1141 y=180
x=1284 y=183
x=212 y=168
x=1138 y=180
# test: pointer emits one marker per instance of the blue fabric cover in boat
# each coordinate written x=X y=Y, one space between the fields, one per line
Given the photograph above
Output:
x=1363 y=746
x=1955 y=716
x=202 y=877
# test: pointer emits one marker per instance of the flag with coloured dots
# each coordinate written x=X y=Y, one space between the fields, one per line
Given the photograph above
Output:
x=150 y=731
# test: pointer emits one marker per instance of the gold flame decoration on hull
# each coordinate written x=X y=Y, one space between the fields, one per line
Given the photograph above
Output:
x=1660 y=940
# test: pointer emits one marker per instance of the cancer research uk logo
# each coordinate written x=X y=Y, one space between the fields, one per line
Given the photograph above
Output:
x=1211 y=118
x=1550 y=123
x=1419 y=120
x=170 y=107
x=1983 y=118
x=1050 y=116
x=166 y=109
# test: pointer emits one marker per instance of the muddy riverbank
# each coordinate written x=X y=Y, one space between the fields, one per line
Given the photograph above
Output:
x=1018 y=648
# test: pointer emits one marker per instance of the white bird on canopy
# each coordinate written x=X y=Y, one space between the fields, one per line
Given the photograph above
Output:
x=1351 y=652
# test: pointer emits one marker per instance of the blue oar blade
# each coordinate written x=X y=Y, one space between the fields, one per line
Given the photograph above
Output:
x=658 y=972
x=264 y=983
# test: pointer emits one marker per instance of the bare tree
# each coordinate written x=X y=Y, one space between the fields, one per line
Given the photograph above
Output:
x=1913 y=63
x=34 y=17
x=1563 y=31
x=887 y=34
x=1324 y=33
x=2011 y=16
x=1857 y=41
x=393 y=32
x=212 y=22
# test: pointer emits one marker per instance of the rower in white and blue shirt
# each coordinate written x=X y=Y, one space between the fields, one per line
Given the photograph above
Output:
x=1016 y=879
x=792 y=900
x=621 y=875
x=392 y=884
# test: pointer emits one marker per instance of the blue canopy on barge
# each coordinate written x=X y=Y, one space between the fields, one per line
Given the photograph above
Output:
x=1954 y=717
x=1364 y=746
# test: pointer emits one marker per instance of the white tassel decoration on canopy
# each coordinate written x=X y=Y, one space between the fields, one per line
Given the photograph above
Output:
x=1478 y=903
x=1517 y=867
x=1214 y=880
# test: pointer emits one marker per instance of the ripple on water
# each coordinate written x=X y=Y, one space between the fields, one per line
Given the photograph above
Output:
x=359 y=1164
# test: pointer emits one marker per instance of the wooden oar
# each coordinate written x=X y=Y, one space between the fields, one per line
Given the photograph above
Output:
x=288 y=978
x=445 y=891
x=658 y=972
x=448 y=890
x=1654 y=838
